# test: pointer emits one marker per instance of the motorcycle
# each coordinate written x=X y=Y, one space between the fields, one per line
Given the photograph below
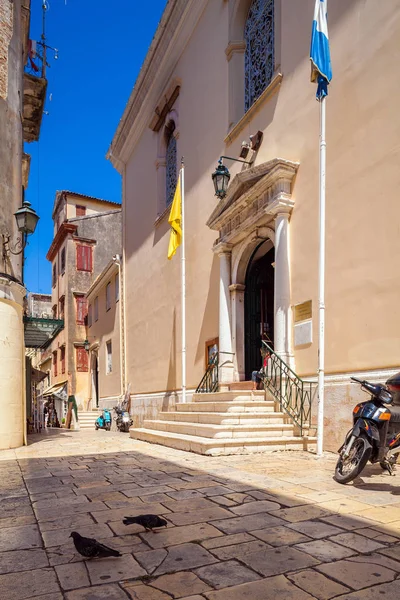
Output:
x=103 y=421
x=375 y=435
x=123 y=419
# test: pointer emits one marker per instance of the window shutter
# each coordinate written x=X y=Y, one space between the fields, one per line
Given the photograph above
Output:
x=81 y=310
x=84 y=258
x=81 y=359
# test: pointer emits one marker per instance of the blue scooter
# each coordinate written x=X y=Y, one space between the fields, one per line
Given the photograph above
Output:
x=104 y=420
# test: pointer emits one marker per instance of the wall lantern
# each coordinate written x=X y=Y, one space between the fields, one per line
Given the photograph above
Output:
x=86 y=345
x=26 y=219
x=221 y=176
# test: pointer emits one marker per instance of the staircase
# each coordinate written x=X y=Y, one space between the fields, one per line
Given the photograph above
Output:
x=87 y=419
x=240 y=421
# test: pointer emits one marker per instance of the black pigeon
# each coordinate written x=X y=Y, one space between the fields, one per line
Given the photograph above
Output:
x=90 y=548
x=149 y=522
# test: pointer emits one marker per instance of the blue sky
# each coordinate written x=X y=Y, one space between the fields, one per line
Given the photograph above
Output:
x=101 y=46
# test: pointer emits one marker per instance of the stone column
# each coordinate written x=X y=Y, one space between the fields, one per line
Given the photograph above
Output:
x=282 y=325
x=12 y=360
x=237 y=307
x=225 y=332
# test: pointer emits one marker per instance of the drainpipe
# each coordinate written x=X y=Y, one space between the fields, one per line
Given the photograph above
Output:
x=118 y=261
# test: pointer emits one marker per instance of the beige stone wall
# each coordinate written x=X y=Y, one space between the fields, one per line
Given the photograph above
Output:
x=107 y=328
x=363 y=154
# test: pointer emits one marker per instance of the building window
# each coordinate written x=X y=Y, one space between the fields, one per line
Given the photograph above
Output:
x=90 y=315
x=54 y=275
x=259 y=53
x=82 y=363
x=117 y=287
x=63 y=261
x=170 y=163
x=96 y=308
x=80 y=211
x=62 y=306
x=83 y=258
x=63 y=359
x=81 y=310
x=108 y=296
x=54 y=311
x=55 y=363
x=108 y=357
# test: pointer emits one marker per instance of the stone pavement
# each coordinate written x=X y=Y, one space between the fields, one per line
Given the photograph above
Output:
x=254 y=527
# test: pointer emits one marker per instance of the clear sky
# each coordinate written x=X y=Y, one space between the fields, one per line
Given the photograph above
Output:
x=101 y=46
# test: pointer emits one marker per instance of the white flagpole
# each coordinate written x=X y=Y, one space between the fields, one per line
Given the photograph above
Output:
x=183 y=258
x=321 y=337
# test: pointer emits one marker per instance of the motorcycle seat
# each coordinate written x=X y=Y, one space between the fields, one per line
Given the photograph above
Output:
x=395 y=412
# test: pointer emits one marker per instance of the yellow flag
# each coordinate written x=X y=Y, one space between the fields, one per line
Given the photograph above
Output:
x=175 y=220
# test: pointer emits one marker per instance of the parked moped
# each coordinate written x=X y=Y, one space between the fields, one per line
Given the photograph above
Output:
x=375 y=435
x=104 y=420
x=123 y=419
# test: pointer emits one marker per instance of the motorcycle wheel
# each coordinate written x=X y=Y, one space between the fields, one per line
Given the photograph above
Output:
x=96 y=426
x=126 y=427
x=347 y=469
x=108 y=427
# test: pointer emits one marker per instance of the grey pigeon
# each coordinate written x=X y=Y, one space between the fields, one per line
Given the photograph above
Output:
x=149 y=522
x=90 y=548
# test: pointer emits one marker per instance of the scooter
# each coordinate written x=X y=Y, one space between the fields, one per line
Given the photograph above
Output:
x=375 y=435
x=104 y=420
x=123 y=419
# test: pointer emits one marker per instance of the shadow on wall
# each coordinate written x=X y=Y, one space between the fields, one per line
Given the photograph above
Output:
x=211 y=306
x=171 y=380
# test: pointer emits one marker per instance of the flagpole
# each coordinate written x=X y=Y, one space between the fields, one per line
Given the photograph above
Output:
x=321 y=337
x=183 y=259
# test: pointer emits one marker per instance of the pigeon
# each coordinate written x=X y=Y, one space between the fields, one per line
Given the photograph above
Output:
x=90 y=548
x=149 y=522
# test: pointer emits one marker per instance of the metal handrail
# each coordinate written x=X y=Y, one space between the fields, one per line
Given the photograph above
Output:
x=209 y=382
x=293 y=393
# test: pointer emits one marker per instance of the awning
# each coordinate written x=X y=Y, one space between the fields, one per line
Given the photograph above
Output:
x=56 y=390
x=37 y=375
x=40 y=332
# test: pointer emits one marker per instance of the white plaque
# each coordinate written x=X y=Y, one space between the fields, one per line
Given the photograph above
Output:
x=303 y=333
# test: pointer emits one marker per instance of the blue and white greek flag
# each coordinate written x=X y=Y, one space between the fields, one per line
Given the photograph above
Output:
x=320 y=56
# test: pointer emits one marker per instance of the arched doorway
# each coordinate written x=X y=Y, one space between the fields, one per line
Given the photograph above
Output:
x=95 y=381
x=258 y=304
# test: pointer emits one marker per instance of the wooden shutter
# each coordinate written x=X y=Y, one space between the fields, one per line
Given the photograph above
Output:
x=55 y=363
x=80 y=211
x=83 y=258
x=62 y=360
x=81 y=310
x=81 y=359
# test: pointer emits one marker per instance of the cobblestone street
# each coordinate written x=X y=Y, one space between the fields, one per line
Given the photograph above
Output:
x=253 y=527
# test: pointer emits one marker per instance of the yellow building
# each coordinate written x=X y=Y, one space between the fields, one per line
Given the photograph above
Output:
x=87 y=231
x=106 y=366
x=217 y=72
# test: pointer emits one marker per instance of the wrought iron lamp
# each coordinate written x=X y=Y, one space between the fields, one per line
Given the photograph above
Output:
x=86 y=345
x=27 y=220
x=221 y=176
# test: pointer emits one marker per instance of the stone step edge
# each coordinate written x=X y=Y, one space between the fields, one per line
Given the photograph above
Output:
x=224 y=427
x=228 y=415
x=221 y=441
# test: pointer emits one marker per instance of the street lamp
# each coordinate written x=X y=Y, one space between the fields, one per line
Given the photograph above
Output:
x=26 y=219
x=221 y=176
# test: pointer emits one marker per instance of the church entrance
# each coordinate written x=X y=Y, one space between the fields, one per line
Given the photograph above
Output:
x=259 y=305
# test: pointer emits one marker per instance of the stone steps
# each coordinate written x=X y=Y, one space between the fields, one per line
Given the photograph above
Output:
x=87 y=419
x=222 y=431
x=225 y=418
x=222 y=423
x=222 y=447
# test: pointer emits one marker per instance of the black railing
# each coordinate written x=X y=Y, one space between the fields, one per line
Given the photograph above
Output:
x=293 y=393
x=209 y=382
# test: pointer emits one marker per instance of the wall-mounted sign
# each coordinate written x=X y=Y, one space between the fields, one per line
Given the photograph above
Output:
x=303 y=312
